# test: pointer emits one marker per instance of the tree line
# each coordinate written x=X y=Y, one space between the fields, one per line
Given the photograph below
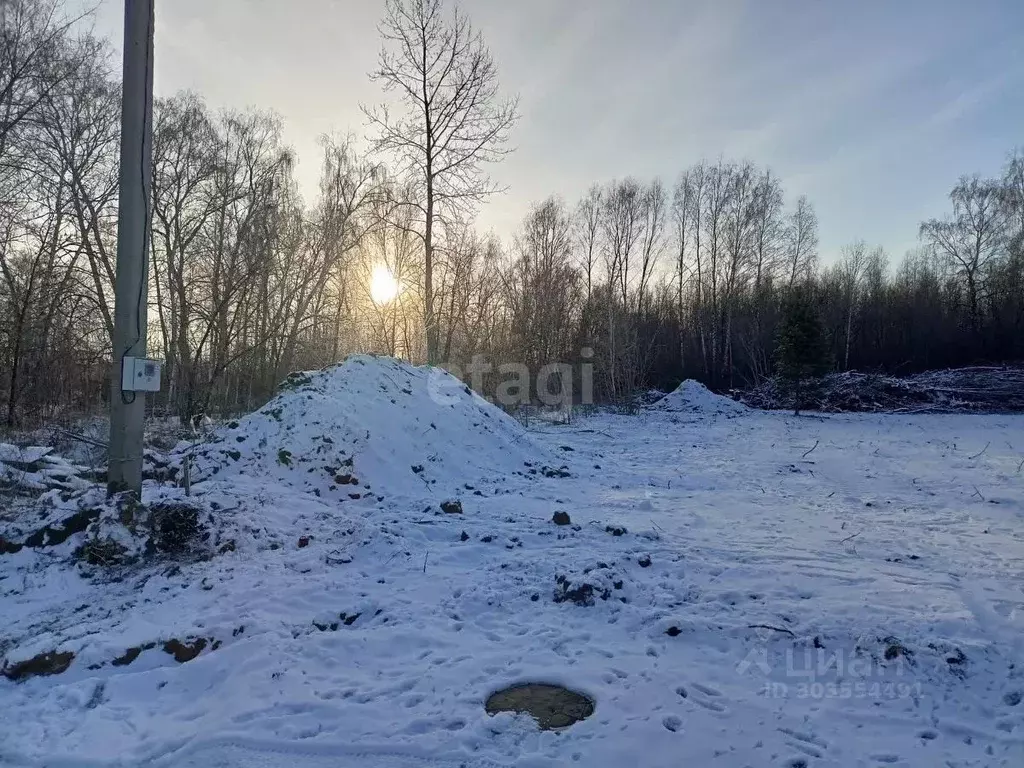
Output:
x=647 y=281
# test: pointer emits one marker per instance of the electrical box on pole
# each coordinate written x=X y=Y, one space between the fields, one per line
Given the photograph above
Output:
x=140 y=375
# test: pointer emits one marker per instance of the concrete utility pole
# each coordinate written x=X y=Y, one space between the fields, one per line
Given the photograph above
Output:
x=127 y=407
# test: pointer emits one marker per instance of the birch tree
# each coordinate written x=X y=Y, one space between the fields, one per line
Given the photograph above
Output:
x=451 y=120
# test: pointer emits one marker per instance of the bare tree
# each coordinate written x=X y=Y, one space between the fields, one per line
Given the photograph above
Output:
x=221 y=190
x=682 y=217
x=713 y=220
x=50 y=86
x=767 y=236
x=768 y=227
x=36 y=298
x=454 y=120
x=655 y=201
x=390 y=244
x=458 y=265
x=971 y=237
x=853 y=260
x=347 y=190
x=1013 y=200
x=33 y=61
x=739 y=226
x=185 y=154
x=699 y=191
x=79 y=134
x=623 y=223
x=541 y=286
x=587 y=225
x=801 y=241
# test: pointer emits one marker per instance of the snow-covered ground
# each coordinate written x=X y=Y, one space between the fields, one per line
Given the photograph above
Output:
x=812 y=591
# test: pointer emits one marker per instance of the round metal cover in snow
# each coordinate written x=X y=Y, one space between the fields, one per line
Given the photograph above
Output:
x=552 y=706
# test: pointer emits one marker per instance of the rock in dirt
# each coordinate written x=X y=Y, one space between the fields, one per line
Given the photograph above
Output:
x=559 y=472
x=582 y=593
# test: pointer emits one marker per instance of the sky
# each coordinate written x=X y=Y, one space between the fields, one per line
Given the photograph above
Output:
x=871 y=108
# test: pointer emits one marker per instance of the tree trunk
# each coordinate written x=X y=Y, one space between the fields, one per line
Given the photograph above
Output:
x=430 y=321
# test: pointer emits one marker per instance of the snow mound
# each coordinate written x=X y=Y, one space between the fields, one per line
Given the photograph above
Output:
x=693 y=397
x=369 y=424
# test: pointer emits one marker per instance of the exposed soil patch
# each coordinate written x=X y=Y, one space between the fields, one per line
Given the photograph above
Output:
x=131 y=654
x=183 y=652
x=50 y=536
x=9 y=547
x=49 y=663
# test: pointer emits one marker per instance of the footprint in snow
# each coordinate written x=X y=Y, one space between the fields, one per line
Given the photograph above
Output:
x=672 y=723
x=805 y=742
x=707 y=691
x=704 y=696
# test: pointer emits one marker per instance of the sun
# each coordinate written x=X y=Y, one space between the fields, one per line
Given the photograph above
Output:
x=384 y=287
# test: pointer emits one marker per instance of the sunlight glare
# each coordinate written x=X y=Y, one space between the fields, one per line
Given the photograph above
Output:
x=383 y=285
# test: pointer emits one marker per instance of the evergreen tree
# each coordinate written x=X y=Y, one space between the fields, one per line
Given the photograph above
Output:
x=801 y=353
